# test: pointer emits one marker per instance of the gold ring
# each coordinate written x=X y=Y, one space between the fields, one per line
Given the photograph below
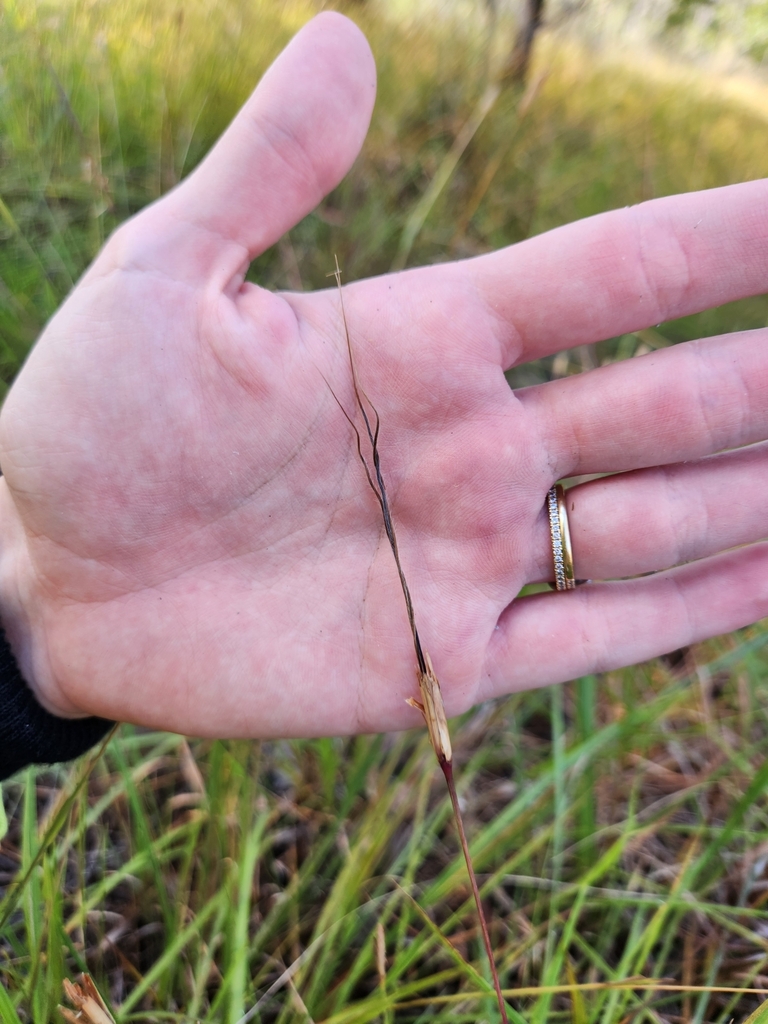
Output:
x=562 y=552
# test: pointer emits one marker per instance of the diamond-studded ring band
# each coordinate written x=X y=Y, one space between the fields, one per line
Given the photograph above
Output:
x=562 y=553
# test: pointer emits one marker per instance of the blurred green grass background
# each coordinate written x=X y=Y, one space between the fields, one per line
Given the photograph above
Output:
x=619 y=824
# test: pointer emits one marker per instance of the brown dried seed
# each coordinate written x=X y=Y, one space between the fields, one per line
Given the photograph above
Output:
x=432 y=708
x=85 y=997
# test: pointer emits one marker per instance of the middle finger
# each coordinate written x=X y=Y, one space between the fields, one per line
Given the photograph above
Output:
x=680 y=403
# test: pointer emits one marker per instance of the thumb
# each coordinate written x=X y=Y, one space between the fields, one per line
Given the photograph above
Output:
x=292 y=142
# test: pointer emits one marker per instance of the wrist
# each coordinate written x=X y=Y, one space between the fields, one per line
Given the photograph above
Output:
x=22 y=612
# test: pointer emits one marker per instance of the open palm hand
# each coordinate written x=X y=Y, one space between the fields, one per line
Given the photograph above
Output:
x=189 y=541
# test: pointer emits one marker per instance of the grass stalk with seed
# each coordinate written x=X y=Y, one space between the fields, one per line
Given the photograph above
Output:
x=431 y=704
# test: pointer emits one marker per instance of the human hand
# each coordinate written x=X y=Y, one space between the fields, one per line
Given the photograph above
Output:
x=188 y=541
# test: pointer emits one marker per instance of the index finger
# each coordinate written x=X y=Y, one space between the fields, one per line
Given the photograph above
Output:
x=625 y=270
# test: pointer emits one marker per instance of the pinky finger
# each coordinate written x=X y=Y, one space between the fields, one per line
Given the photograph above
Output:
x=550 y=638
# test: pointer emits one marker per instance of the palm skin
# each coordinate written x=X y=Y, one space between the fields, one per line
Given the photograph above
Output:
x=221 y=505
x=189 y=541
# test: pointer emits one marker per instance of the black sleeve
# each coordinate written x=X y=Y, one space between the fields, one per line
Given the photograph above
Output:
x=31 y=735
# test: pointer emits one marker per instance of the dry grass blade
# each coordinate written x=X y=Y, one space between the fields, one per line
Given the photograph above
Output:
x=431 y=704
x=90 y=1008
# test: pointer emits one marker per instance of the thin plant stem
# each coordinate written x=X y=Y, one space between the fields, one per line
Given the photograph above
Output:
x=447 y=767
x=431 y=703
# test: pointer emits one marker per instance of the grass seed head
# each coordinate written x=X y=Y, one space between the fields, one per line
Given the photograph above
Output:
x=89 y=1006
x=432 y=708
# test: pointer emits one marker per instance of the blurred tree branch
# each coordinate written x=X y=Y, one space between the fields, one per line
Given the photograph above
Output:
x=516 y=68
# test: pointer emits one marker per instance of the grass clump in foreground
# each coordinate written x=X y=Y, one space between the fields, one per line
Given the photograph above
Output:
x=618 y=825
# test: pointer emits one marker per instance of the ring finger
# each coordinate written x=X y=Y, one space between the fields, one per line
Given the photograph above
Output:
x=653 y=519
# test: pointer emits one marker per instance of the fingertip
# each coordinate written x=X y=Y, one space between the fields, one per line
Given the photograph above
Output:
x=291 y=144
x=336 y=56
x=344 y=29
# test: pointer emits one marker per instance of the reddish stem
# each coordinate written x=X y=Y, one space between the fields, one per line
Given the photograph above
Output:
x=448 y=773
